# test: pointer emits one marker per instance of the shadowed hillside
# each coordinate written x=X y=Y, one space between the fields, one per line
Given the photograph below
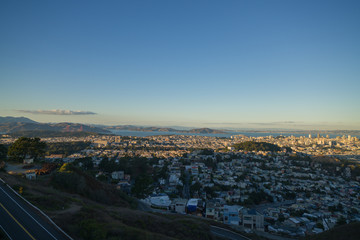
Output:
x=88 y=209
x=345 y=232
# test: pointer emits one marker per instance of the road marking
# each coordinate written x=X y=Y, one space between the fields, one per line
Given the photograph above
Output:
x=6 y=233
x=17 y=221
x=27 y=213
x=36 y=208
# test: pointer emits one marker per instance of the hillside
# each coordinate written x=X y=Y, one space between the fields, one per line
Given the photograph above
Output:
x=26 y=127
x=88 y=209
x=345 y=232
x=16 y=127
x=162 y=129
x=204 y=131
x=15 y=120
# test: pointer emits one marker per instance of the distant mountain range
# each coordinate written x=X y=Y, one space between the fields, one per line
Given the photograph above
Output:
x=15 y=120
x=160 y=129
x=22 y=124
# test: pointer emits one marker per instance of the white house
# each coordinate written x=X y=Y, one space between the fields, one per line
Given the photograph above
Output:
x=117 y=175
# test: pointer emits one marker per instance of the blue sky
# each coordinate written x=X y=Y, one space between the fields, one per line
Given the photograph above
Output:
x=233 y=64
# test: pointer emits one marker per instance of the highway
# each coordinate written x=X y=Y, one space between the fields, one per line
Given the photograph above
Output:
x=19 y=220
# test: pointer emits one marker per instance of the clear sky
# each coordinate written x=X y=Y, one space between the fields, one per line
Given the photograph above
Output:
x=233 y=63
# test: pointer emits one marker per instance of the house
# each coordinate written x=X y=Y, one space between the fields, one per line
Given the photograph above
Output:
x=162 y=181
x=194 y=170
x=253 y=220
x=195 y=206
x=124 y=186
x=179 y=205
x=117 y=175
x=293 y=222
x=231 y=214
x=28 y=160
x=210 y=210
x=161 y=201
x=127 y=177
x=191 y=205
x=214 y=210
x=173 y=180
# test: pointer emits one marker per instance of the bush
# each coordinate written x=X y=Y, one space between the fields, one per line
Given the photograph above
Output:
x=73 y=180
x=48 y=203
x=92 y=230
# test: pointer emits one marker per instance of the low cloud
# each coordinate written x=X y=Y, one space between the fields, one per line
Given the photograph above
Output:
x=57 y=112
x=222 y=123
x=253 y=123
x=276 y=123
x=287 y=122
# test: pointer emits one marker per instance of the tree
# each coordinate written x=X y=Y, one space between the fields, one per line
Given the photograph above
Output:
x=258 y=197
x=142 y=186
x=107 y=165
x=207 y=151
x=256 y=146
x=354 y=211
x=139 y=166
x=195 y=188
x=209 y=162
x=66 y=148
x=92 y=229
x=27 y=147
x=86 y=163
x=341 y=221
x=210 y=191
x=161 y=173
x=281 y=217
x=3 y=151
x=319 y=225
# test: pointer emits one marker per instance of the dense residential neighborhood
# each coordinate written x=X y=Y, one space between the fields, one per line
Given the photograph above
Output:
x=309 y=186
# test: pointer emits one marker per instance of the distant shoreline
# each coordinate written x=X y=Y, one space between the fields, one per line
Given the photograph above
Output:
x=334 y=132
x=11 y=125
x=225 y=134
x=160 y=129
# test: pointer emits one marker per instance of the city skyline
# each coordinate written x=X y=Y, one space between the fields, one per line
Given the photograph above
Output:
x=234 y=64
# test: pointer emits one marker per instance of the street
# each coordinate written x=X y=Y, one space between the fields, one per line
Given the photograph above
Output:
x=224 y=233
x=20 y=221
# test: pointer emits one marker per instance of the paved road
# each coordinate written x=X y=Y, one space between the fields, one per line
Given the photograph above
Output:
x=260 y=208
x=19 y=220
x=227 y=234
x=186 y=189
